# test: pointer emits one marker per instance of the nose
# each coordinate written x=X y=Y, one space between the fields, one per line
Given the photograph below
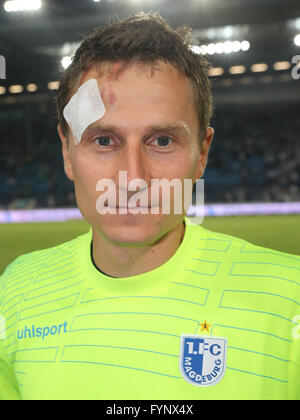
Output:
x=134 y=162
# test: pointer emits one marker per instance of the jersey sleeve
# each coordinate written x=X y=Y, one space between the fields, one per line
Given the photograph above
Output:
x=294 y=373
x=9 y=389
x=8 y=386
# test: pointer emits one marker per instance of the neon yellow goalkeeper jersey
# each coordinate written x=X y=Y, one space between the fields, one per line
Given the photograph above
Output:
x=219 y=320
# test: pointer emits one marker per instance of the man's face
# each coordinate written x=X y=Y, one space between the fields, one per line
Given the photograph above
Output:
x=130 y=137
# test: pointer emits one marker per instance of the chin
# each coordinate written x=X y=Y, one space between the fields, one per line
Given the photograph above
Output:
x=131 y=228
x=131 y=234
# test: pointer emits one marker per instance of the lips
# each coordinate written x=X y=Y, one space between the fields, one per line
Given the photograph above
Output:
x=134 y=207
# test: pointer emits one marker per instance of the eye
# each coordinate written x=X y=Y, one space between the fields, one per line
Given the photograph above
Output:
x=102 y=140
x=163 y=140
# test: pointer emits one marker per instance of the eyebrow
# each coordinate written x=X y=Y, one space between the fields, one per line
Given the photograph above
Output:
x=171 y=127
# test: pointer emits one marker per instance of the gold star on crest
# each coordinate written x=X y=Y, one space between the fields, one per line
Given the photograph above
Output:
x=205 y=326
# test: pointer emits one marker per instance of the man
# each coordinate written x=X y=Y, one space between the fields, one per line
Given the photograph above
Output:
x=145 y=305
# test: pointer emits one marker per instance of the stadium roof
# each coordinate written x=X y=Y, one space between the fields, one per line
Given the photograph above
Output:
x=33 y=43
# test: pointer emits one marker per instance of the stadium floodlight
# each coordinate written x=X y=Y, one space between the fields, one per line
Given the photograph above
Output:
x=236 y=46
x=294 y=24
x=32 y=87
x=245 y=45
x=16 y=89
x=66 y=61
x=297 y=23
x=220 y=48
x=2 y=90
x=196 y=49
x=297 y=40
x=211 y=33
x=228 y=31
x=211 y=49
x=53 y=85
x=237 y=69
x=259 y=67
x=216 y=71
x=282 y=65
x=22 y=5
x=203 y=49
x=68 y=48
x=228 y=47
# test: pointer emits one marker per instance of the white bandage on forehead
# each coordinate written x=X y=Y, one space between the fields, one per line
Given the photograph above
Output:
x=84 y=108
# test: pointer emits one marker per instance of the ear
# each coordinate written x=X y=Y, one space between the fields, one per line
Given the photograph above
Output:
x=202 y=160
x=66 y=154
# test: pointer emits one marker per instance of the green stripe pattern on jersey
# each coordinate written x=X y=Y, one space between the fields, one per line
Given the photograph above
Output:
x=71 y=332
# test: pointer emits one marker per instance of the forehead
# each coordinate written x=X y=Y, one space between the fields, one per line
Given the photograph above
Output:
x=106 y=69
x=114 y=72
x=158 y=91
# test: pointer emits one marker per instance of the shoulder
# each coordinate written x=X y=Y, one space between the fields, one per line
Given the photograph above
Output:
x=41 y=264
x=224 y=243
x=244 y=262
x=247 y=250
x=251 y=250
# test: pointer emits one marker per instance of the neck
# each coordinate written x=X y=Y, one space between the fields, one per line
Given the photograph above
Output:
x=125 y=261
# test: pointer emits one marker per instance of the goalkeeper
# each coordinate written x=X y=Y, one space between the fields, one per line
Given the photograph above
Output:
x=147 y=304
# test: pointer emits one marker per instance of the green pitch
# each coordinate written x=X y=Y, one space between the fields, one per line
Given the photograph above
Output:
x=276 y=232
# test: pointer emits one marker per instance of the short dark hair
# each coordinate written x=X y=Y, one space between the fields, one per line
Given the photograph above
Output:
x=146 y=38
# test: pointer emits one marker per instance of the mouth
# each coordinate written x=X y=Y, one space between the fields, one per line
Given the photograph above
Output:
x=135 y=207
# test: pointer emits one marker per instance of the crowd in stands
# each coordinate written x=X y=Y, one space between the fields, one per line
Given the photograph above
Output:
x=255 y=157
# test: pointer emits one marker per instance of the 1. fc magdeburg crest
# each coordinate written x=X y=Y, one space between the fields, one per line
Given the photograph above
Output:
x=202 y=359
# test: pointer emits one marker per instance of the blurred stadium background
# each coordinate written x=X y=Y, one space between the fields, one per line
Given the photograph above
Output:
x=254 y=46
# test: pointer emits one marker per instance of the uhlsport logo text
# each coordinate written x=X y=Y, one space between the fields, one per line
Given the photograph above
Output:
x=41 y=332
